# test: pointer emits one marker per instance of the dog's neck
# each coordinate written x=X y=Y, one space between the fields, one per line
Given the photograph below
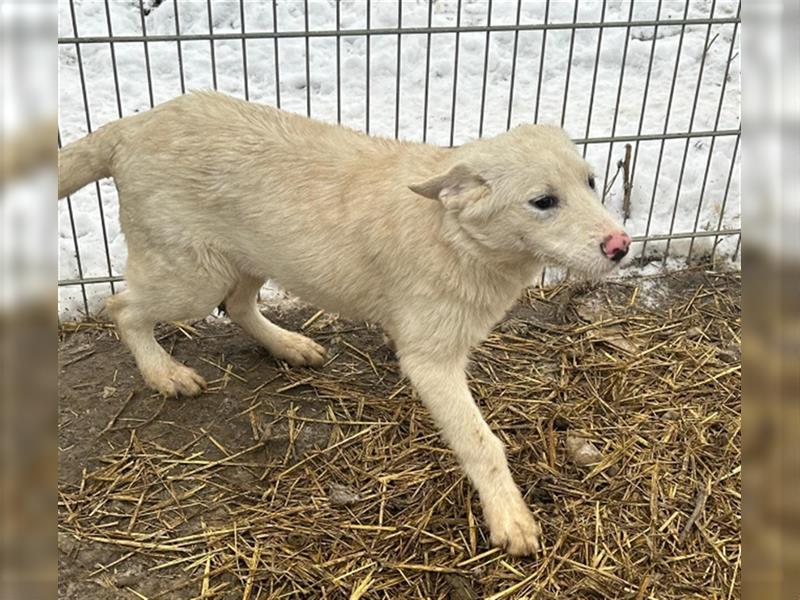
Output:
x=475 y=255
x=486 y=276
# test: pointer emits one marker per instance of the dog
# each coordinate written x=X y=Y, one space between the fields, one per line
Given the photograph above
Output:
x=217 y=195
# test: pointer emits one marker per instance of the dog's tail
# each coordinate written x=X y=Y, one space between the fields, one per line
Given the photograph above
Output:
x=85 y=160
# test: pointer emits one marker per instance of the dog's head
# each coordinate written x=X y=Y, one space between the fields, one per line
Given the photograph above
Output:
x=529 y=193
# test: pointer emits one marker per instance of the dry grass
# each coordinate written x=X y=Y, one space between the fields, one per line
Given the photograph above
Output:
x=382 y=510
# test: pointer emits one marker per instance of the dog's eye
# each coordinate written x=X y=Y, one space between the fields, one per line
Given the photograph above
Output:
x=591 y=181
x=544 y=202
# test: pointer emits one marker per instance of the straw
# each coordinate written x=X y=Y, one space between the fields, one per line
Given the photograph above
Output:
x=641 y=368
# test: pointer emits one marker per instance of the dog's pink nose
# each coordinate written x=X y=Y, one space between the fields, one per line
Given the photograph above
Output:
x=615 y=246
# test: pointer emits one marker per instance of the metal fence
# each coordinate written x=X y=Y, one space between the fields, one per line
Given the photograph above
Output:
x=649 y=93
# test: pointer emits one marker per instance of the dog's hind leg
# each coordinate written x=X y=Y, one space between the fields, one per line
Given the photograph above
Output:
x=292 y=347
x=158 y=292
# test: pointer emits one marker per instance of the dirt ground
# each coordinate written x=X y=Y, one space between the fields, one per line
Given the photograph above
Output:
x=333 y=483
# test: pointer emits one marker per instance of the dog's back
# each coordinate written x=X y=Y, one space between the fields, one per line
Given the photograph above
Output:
x=307 y=204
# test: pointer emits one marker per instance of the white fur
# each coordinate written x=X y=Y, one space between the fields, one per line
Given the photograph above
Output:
x=218 y=195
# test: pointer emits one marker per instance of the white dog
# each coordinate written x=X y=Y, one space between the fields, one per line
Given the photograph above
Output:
x=217 y=195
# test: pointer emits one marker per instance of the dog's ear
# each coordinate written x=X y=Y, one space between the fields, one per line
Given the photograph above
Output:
x=458 y=187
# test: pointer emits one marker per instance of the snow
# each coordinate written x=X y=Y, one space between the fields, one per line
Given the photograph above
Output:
x=583 y=116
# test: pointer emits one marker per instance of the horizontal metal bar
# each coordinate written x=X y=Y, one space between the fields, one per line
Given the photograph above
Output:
x=641 y=238
x=658 y=136
x=645 y=137
x=189 y=37
x=684 y=236
x=91 y=280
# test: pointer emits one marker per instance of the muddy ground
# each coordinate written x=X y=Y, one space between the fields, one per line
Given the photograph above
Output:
x=105 y=410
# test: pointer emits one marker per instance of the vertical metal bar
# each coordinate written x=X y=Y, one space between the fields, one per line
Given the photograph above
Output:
x=513 y=66
x=308 y=59
x=244 y=52
x=397 y=72
x=119 y=113
x=178 y=46
x=211 y=46
x=725 y=202
x=569 y=65
x=666 y=127
x=338 y=64
x=735 y=250
x=75 y=245
x=688 y=140
x=541 y=61
x=368 y=67
x=485 y=69
x=427 y=76
x=146 y=55
x=89 y=129
x=594 y=76
x=77 y=255
x=539 y=86
x=644 y=95
x=616 y=105
x=455 y=77
x=713 y=139
x=275 y=54
x=113 y=61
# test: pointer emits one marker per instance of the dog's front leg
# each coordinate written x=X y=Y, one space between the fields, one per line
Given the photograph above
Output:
x=442 y=386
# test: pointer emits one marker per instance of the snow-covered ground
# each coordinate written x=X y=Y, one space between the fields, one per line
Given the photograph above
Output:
x=614 y=87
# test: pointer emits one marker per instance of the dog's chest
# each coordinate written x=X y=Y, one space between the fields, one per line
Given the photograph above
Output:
x=475 y=319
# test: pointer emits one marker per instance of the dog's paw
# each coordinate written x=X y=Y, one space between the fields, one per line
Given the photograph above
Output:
x=513 y=527
x=177 y=380
x=298 y=350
